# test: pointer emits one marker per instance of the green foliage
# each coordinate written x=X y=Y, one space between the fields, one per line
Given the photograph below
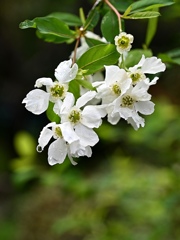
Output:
x=98 y=56
x=50 y=29
x=145 y=5
x=110 y=26
x=135 y=55
x=151 y=30
x=51 y=114
x=92 y=18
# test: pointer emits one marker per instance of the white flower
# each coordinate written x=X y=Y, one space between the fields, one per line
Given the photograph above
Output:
x=37 y=100
x=151 y=65
x=123 y=42
x=60 y=147
x=116 y=83
x=65 y=71
x=82 y=120
x=136 y=99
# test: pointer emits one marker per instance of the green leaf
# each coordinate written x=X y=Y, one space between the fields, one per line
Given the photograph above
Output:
x=51 y=115
x=172 y=56
x=92 y=18
x=92 y=42
x=96 y=57
x=121 y=5
x=135 y=55
x=74 y=88
x=27 y=24
x=151 y=30
x=110 y=26
x=68 y=18
x=50 y=29
x=142 y=15
x=144 y=5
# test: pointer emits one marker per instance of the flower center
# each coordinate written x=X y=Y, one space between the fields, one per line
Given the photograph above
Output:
x=116 y=89
x=123 y=42
x=127 y=101
x=58 y=91
x=58 y=132
x=135 y=77
x=74 y=116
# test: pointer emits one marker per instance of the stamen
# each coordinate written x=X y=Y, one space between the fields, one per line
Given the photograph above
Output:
x=74 y=116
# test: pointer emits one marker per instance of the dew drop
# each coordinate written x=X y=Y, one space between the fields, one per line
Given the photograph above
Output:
x=39 y=149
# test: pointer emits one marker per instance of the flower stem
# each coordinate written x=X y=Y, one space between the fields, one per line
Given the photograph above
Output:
x=116 y=12
x=75 y=49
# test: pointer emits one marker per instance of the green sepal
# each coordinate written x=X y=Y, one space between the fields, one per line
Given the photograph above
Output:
x=51 y=115
x=96 y=57
x=135 y=55
x=110 y=26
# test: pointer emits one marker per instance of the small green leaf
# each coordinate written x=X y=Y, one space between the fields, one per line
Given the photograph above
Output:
x=135 y=55
x=142 y=15
x=51 y=115
x=96 y=57
x=110 y=26
x=68 y=18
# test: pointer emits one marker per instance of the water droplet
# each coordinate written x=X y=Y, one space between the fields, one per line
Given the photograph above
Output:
x=39 y=149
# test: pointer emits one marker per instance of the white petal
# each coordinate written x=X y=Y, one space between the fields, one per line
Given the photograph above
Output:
x=91 y=116
x=136 y=121
x=45 y=136
x=57 y=152
x=67 y=103
x=43 y=81
x=139 y=65
x=113 y=118
x=87 y=136
x=77 y=150
x=114 y=74
x=85 y=98
x=145 y=108
x=153 y=65
x=57 y=106
x=139 y=92
x=152 y=82
x=36 y=101
x=68 y=132
x=65 y=72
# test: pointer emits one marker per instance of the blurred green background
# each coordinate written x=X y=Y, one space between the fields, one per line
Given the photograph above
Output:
x=129 y=189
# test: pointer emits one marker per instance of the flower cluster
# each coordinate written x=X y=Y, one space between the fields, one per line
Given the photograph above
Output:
x=121 y=93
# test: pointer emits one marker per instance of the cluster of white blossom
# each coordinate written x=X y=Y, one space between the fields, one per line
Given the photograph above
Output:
x=123 y=93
